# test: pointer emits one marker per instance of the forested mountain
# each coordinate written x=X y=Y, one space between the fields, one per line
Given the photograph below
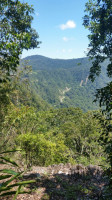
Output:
x=64 y=83
x=46 y=113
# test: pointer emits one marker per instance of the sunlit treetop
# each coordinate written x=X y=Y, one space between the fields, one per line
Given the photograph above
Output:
x=99 y=22
x=16 y=33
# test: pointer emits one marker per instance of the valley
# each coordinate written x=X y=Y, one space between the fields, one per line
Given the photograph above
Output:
x=65 y=83
x=56 y=107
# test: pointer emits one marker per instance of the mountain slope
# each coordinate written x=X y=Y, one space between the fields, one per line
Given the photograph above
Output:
x=64 y=83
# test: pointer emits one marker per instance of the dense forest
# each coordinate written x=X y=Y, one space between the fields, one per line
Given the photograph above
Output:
x=65 y=83
x=47 y=114
x=31 y=122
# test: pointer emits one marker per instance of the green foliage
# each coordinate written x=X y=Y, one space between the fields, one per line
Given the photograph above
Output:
x=104 y=95
x=81 y=132
x=21 y=92
x=8 y=176
x=105 y=138
x=59 y=82
x=17 y=34
x=98 y=20
x=41 y=151
x=66 y=135
x=4 y=100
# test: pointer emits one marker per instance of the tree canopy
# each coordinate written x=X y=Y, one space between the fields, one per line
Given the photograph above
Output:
x=16 y=34
x=98 y=21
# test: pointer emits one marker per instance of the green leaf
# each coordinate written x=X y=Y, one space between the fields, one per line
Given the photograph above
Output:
x=9 y=171
x=17 y=192
x=22 y=183
x=13 y=192
x=9 y=160
x=8 y=193
x=5 y=176
x=14 y=150
x=1 y=162
x=3 y=188
x=9 y=181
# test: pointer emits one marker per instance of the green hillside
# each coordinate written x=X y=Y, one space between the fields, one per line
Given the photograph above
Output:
x=64 y=83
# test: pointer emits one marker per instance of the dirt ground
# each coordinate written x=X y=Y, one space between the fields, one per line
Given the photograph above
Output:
x=65 y=182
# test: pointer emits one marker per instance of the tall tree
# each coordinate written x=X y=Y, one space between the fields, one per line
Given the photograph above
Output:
x=99 y=22
x=16 y=34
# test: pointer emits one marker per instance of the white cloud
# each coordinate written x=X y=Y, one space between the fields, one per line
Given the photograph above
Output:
x=69 y=24
x=66 y=39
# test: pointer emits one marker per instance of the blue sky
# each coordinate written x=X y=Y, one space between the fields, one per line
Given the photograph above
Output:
x=60 y=29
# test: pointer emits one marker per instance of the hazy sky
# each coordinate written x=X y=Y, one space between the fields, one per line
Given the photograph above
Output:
x=60 y=29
